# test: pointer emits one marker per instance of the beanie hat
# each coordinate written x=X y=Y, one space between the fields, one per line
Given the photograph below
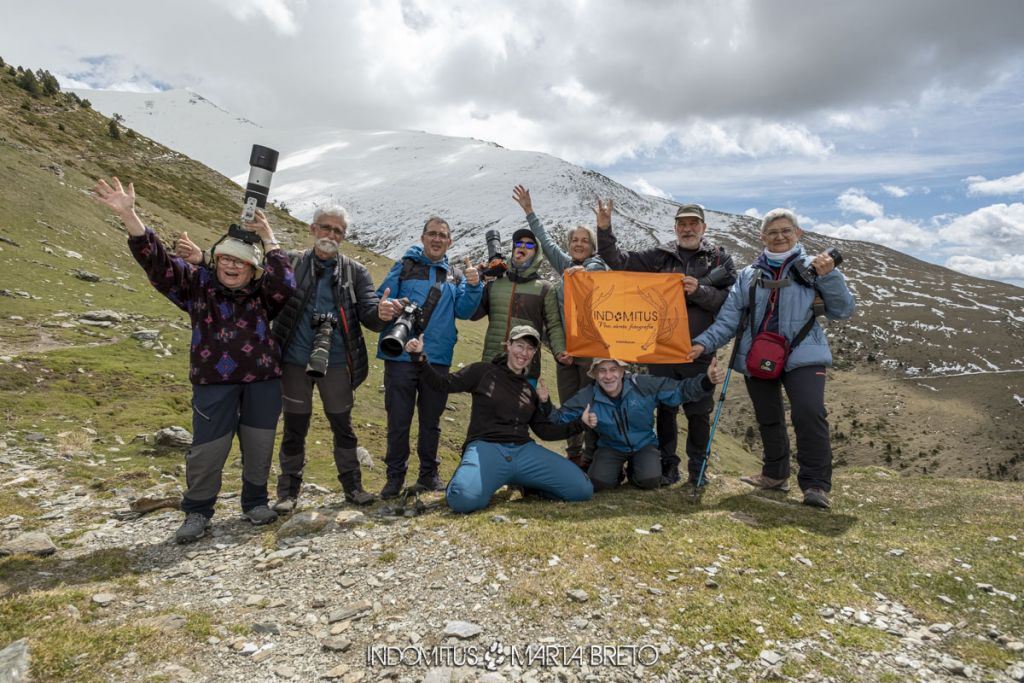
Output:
x=235 y=248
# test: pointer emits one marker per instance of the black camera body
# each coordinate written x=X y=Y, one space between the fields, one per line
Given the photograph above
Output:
x=407 y=326
x=320 y=356
x=240 y=233
x=496 y=265
x=805 y=274
x=719 y=276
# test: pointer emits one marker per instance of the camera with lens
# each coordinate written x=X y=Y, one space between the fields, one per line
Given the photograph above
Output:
x=406 y=327
x=719 y=276
x=496 y=266
x=324 y=324
x=805 y=274
x=262 y=164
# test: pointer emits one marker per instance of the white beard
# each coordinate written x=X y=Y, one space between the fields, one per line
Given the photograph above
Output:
x=326 y=246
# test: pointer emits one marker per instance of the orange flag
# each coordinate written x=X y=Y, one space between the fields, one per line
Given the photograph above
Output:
x=633 y=317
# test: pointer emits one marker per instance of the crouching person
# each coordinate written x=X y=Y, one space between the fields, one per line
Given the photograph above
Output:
x=498 y=448
x=234 y=362
x=620 y=408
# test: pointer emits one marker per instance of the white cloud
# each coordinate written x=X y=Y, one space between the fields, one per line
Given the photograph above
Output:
x=751 y=138
x=855 y=201
x=1011 y=184
x=279 y=13
x=753 y=213
x=1009 y=267
x=896 y=233
x=895 y=191
x=644 y=187
x=994 y=229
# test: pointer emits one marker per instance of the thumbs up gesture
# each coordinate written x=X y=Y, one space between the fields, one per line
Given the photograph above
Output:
x=188 y=250
x=542 y=391
x=715 y=373
x=589 y=418
x=472 y=273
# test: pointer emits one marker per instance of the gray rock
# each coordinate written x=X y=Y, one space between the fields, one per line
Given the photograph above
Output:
x=354 y=611
x=103 y=315
x=35 y=437
x=347 y=518
x=145 y=335
x=104 y=599
x=1014 y=671
x=953 y=666
x=303 y=523
x=163 y=622
x=173 y=437
x=14 y=661
x=463 y=630
x=339 y=672
x=336 y=644
x=266 y=627
x=285 y=554
x=31 y=542
x=940 y=628
x=285 y=671
x=1015 y=646
x=770 y=657
x=86 y=276
x=577 y=595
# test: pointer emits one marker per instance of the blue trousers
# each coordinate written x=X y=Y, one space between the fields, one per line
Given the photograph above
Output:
x=486 y=467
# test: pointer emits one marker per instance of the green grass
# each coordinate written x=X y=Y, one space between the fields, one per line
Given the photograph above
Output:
x=754 y=538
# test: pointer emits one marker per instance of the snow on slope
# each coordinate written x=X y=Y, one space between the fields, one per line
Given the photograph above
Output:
x=390 y=181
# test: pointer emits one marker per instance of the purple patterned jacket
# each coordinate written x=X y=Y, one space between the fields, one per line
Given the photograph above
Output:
x=231 y=340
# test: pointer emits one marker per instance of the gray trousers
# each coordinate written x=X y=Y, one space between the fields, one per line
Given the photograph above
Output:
x=644 y=468
x=571 y=379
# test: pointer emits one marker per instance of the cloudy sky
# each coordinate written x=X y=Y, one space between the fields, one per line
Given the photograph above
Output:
x=899 y=122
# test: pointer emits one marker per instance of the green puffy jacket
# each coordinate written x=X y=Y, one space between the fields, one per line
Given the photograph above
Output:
x=521 y=298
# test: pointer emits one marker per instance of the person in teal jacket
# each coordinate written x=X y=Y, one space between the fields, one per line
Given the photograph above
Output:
x=580 y=253
x=619 y=407
x=783 y=304
x=421 y=276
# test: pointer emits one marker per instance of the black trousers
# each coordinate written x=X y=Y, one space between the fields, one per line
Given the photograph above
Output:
x=404 y=393
x=697 y=417
x=805 y=388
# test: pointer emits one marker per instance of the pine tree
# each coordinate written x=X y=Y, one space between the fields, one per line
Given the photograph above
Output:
x=28 y=82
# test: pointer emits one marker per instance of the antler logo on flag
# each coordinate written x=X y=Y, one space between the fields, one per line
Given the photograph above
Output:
x=634 y=317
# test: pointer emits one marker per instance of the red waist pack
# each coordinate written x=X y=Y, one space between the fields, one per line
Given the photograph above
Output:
x=767 y=356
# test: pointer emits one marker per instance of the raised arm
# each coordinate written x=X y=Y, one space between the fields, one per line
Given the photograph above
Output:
x=555 y=255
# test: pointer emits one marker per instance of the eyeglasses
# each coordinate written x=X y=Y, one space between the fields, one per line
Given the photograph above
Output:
x=330 y=229
x=773 y=234
x=232 y=261
x=525 y=244
x=435 y=235
x=523 y=346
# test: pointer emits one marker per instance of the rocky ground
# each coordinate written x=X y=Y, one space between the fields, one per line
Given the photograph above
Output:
x=336 y=594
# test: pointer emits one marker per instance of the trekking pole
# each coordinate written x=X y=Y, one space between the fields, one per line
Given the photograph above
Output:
x=718 y=412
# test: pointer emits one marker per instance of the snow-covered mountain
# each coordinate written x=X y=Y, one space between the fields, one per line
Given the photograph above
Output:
x=917 y=318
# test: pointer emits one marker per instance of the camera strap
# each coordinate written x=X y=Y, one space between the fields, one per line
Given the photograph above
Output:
x=410 y=270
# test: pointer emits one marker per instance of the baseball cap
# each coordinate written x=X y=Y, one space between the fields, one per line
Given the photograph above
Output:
x=523 y=233
x=597 y=361
x=695 y=210
x=520 y=331
x=250 y=253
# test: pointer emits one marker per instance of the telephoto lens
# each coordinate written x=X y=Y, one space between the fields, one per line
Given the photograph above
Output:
x=320 y=356
x=405 y=328
x=493 y=238
x=262 y=164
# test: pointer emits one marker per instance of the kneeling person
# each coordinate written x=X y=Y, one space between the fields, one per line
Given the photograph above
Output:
x=498 y=448
x=620 y=408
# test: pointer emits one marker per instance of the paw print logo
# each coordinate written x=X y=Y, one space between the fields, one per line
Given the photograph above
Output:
x=495 y=656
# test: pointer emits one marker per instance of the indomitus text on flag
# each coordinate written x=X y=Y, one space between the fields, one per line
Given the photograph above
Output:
x=633 y=317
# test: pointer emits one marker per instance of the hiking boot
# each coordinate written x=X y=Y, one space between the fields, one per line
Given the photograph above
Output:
x=817 y=498
x=193 y=528
x=393 y=488
x=285 y=505
x=759 y=481
x=431 y=483
x=352 y=485
x=260 y=515
x=669 y=474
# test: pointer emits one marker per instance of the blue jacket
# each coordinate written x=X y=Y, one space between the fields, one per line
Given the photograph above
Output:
x=560 y=260
x=458 y=300
x=626 y=423
x=794 y=310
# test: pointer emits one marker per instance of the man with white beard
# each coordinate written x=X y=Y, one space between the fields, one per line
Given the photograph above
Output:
x=332 y=289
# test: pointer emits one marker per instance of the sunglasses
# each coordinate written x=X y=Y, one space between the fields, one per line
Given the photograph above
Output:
x=525 y=244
